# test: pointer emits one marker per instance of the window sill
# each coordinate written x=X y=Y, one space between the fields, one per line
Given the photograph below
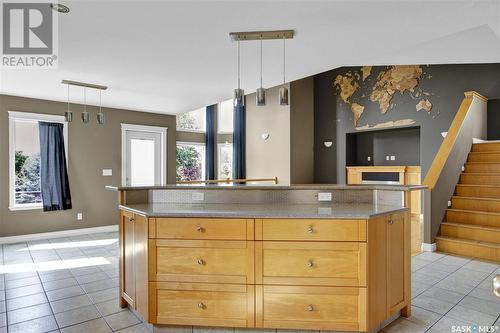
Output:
x=18 y=208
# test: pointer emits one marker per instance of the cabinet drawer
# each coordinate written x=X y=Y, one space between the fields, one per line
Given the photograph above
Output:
x=204 y=304
x=319 y=308
x=201 y=228
x=204 y=261
x=311 y=263
x=314 y=230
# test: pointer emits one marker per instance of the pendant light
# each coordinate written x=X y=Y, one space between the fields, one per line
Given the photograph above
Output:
x=100 y=114
x=68 y=114
x=260 y=95
x=283 y=92
x=85 y=114
x=239 y=94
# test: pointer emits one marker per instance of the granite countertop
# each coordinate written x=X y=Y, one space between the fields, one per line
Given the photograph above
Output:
x=314 y=211
x=322 y=187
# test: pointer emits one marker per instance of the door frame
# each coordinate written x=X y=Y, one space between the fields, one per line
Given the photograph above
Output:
x=144 y=128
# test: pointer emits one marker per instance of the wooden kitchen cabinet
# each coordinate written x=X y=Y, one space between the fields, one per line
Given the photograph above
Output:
x=134 y=261
x=319 y=274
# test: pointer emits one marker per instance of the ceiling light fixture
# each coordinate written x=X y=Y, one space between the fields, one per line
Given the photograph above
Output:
x=68 y=114
x=100 y=114
x=260 y=95
x=239 y=98
x=59 y=8
x=85 y=115
x=283 y=92
x=239 y=94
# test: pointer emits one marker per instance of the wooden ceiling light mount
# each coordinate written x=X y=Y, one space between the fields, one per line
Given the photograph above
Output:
x=258 y=35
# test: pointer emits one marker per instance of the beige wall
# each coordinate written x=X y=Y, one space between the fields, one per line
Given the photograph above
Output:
x=271 y=157
x=302 y=131
x=91 y=148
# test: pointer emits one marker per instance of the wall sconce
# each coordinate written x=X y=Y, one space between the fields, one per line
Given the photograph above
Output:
x=328 y=144
x=264 y=136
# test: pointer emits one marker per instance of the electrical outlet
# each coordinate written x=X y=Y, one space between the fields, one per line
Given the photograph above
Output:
x=393 y=158
x=198 y=196
x=325 y=196
x=107 y=172
x=387 y=157
x=449 y=203
x=369 y=158
x=463 y=168
x=79 y=216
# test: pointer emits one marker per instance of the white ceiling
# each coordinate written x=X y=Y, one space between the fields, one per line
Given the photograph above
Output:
x=176 y=56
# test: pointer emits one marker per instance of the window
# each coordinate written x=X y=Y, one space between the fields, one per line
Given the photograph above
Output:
x=225 y=117
x=190 y=161
x=24 y=158
x=193 y=121
x=225 y=166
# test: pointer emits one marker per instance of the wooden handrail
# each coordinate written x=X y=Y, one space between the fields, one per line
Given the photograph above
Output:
x=451 y=137
x=219 y=181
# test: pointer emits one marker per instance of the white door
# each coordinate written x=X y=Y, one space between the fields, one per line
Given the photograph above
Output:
x=143 y=155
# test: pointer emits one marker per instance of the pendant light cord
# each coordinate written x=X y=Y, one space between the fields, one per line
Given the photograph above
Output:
x=283 y=59
x=68 y=98
x=100 y=101
x=85 y=99
x=261 y=61
x=238 y=64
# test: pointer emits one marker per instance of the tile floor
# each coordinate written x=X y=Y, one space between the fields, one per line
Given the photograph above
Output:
x=70 y=285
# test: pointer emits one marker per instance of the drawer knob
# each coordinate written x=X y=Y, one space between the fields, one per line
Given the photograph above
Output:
x=310 y=229
x=310 y=263
x=131 y=219
x=201 y=306
x=310 y=308
x=391 y=221
x=200 y=262
x=200 y=229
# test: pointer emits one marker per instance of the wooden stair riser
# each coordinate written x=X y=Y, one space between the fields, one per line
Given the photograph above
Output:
x=484 y=157
x=484 y=205
x=464 y=232
x=474 y=218
x=478 y=191
x=470 y=250
x=480 y=179
x=482 y=167
x=486 y=147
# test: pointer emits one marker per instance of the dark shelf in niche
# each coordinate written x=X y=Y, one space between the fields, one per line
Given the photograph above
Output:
x=403 y=143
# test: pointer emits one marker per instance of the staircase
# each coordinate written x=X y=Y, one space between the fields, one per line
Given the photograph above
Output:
x=472 y=224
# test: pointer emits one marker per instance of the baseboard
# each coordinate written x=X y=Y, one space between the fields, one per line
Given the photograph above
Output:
x=57 y=234
x=428 y=247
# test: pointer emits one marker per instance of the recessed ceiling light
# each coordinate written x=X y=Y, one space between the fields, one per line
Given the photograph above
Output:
x=59 y=8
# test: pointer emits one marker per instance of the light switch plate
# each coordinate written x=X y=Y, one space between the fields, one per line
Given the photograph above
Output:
x=198 y=196
x=393 y=158
x=325 y=196
x=107 y=172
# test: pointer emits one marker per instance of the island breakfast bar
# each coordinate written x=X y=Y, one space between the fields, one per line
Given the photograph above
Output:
x=318 y=257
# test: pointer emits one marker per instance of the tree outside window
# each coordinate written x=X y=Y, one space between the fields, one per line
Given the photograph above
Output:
x=190 y=162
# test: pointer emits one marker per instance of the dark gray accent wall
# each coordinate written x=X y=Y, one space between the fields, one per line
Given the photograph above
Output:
x=91 y=149
x=494 y=119
x=333 y=118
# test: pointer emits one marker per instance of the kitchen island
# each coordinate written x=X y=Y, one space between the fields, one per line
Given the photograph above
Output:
x=301 y=257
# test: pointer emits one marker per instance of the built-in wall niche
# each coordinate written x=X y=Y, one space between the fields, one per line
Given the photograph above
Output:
x=400 y=146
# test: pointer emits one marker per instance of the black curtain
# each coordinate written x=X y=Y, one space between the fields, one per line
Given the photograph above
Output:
x=239 y=142
x=210 y=143
x=54 y=173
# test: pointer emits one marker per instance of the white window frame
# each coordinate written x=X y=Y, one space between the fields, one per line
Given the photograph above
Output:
x=28 y=117
x=219 y=116
x=201 y=131
x=144 y=128
x=219 y=148
x=204 y=157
